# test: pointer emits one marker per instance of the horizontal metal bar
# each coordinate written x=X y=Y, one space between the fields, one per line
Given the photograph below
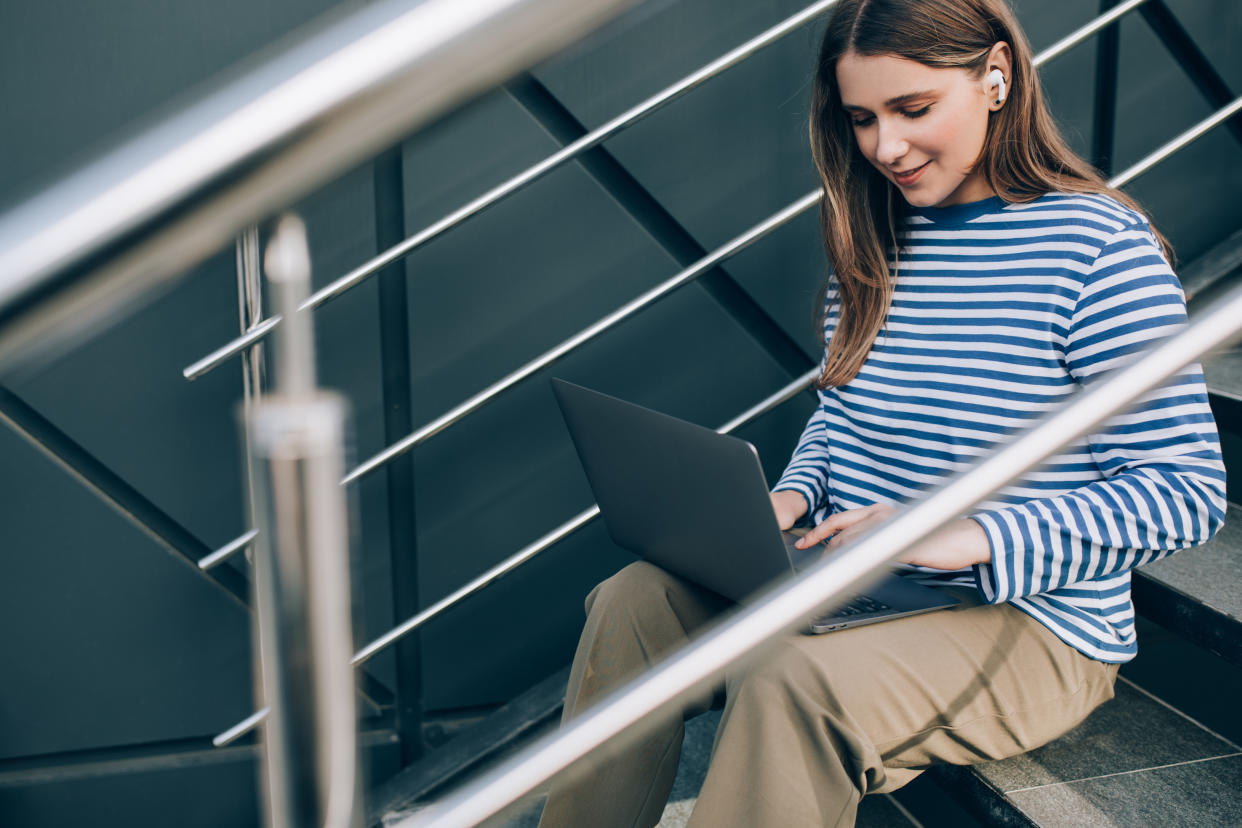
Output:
x=784 y=608
x=1079 y=35
x=241 y=728
x=208 y=561
x=251 y=337
x=499 y=570
x=84 y=250
x=533 y=173
x=788 y=392
x=1195 y=132
x=704 y=264
x=525 y=554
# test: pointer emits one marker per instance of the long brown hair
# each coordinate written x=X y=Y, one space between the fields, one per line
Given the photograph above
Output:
x=1023 y=157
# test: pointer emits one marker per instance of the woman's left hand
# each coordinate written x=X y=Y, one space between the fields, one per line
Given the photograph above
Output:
x=957 y=545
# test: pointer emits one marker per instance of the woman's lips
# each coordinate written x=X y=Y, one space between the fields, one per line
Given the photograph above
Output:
x=906 y=179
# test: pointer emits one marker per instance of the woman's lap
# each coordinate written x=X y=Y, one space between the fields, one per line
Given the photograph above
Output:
x=962 y=685
x=816 y=721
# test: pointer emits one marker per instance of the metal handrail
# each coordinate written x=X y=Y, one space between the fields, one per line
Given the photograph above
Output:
x=1195 y=132
x=528 y=176
x=1085 y=31
x=514 y=561
x=701 y=664
x=85 y=249
x=240 y=542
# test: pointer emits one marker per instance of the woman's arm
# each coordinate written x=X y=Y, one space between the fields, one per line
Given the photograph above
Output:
x=1164 y=484
x=807 y=472
x=1165 y=480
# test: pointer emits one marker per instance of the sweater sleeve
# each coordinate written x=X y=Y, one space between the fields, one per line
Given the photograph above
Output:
x=807 y=472
x=1164 y=480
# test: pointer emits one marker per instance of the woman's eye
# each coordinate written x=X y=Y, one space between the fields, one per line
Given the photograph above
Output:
x=909 y=113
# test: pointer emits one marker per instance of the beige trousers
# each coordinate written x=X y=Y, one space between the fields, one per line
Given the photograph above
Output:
x=821 y=720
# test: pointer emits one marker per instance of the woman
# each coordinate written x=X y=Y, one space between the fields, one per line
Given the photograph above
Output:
x=981 y=273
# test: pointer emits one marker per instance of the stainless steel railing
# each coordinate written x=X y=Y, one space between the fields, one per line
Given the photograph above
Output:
x=301 y=586
x=702 y=664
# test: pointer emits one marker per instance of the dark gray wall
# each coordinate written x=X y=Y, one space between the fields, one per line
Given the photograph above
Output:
x=118 y=648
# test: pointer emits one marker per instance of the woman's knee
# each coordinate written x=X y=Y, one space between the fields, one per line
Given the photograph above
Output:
x=635 y=585
x=645 y=599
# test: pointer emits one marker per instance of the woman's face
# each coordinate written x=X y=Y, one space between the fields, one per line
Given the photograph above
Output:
x=926 y=122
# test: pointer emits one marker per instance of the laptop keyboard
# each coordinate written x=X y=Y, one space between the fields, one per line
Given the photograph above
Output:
x=859 y=605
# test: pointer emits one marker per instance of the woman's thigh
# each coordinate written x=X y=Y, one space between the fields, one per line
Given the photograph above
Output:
x=635 y=619
x=959 y=686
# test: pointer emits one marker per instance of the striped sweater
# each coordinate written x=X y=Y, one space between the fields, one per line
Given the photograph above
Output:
x=1000 y=311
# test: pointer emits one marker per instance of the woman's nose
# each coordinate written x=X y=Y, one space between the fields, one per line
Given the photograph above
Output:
x=891 y=145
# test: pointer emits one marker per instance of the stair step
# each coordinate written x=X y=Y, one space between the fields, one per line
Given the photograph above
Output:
x=874 y=811
x=1198 y=592
x=506 y=729
x=1135 y=761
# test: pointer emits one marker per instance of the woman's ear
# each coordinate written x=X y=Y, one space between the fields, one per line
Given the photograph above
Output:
x=998 y=75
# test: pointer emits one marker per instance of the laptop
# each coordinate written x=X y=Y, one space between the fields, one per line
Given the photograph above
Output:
x=695 y=502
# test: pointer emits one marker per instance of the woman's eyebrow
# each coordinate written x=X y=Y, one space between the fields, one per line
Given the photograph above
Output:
x=897 y=101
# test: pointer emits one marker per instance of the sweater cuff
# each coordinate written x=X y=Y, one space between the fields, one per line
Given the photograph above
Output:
x=807 y=493
x=986 y=575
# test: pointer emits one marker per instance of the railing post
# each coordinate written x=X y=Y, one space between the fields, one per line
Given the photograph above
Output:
x=301 y=580
x=250 y=313
x=395 y=357
x=1103 y=134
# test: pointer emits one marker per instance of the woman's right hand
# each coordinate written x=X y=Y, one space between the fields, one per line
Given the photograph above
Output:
x=789 y=506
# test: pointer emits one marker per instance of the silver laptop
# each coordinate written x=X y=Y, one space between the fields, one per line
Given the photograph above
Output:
x=695 y=503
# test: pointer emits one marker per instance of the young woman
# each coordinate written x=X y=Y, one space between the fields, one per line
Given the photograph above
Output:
x=981 y=272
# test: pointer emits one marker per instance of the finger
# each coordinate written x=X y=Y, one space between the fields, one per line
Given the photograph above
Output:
x=817 y=533
x=878 y=515
x=842 y=537
x=851 y=532
x=835 y=523
x=830 y=526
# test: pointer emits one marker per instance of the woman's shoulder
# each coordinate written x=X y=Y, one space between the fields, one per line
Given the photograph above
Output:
x=1099 y=212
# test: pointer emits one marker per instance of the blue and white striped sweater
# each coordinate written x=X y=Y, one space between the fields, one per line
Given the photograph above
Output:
x=1000 y=312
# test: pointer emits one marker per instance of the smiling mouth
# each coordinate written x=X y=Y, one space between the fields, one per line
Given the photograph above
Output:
x=910 y=172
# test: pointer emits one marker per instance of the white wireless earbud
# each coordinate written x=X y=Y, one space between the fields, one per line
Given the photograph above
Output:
x=995 y=78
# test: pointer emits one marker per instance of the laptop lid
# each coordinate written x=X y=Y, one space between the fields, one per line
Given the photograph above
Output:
x=684 y=497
